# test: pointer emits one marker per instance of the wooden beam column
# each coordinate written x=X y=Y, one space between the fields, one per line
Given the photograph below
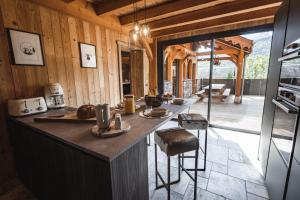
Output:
x=194 y=82
x=169 y=65
x=153 y=67
x=190 y=69
x=184 y=70
x=180 y=78
x=239 y=77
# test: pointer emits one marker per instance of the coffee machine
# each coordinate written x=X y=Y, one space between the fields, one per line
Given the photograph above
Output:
x=54 y=96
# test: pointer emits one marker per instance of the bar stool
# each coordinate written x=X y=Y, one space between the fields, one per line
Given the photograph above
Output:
x=192 y=121
x=175 y=141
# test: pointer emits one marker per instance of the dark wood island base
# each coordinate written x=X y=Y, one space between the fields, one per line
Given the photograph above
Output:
x=65 y=161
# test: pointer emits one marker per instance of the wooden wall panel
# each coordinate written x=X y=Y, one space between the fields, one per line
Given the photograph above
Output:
x=7 y=169
x=60 y=35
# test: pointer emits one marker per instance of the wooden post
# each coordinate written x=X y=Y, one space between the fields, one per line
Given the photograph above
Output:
x=184 y=70
x=194 y=73
x=180 y=78
x=169 y=65
x=153 y=67
x=190 y=69
x=239 y=77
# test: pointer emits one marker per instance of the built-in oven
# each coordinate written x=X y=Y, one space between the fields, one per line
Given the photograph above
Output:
x=290 y=69
x=287 y=102
x=285 y=118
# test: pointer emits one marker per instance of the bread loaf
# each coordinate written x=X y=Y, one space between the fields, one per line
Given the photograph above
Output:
x=86 y=112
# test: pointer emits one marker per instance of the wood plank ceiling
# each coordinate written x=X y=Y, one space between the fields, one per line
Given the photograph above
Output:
x=166 y=17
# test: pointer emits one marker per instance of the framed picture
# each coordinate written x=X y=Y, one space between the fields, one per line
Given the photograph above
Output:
x=88 y=55
x=26 y=48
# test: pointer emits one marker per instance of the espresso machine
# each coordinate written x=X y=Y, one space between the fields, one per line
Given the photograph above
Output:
x=54 y=96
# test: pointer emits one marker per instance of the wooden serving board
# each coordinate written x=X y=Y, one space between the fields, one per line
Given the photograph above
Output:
x=69 y=117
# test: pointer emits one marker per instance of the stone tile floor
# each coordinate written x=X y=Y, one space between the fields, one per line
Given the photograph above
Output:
x=233 y=170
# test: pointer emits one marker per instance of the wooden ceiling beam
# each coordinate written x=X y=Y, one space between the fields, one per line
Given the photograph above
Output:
x=68 y=1
x=167 y=8
x=238 y=18
x=109 y=7
x=218 y=11
x=218 y=52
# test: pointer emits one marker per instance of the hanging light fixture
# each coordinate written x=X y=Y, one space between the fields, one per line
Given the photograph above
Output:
x=136 y=26
x=145 y=27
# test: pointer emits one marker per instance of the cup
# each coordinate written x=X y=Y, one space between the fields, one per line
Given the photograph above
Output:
x=118 y=121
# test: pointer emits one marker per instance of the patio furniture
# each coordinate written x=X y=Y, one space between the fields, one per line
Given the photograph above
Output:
x=175 y=141
x=217 y=91
x=193 y=121
x=201 y=94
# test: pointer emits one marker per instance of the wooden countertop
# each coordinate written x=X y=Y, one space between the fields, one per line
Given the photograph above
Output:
x=79 y=136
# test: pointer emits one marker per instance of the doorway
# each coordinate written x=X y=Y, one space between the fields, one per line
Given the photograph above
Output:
x=229 y=80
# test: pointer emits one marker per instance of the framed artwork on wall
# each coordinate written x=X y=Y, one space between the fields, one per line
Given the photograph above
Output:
x=88 y=55
x=26 y=48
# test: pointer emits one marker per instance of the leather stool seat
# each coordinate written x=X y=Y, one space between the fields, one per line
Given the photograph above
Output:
x=175 y=141
x=192 y=121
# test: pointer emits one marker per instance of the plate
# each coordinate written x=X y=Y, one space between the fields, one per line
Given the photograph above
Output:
x=111 y=132
x=141 y=114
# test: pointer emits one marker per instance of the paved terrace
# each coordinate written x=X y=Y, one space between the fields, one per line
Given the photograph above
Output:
x=247 y=115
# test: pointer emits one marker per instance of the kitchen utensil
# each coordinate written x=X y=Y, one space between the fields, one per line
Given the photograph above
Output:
x=54 y=96
x=23 y=107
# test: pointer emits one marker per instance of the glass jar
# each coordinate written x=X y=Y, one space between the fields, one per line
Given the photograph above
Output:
x=129 y=104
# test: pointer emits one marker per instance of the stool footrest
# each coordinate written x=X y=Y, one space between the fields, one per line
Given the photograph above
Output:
x=164 y=183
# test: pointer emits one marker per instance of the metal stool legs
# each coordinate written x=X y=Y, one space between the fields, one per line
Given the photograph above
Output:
x=169 y=183
x=203 y=151
x=148 y=140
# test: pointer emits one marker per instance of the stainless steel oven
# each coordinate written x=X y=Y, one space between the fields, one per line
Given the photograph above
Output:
x=285 y=118
x=287 y=102
x=290 y=69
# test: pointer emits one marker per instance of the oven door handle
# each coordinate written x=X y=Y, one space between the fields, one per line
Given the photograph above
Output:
x=285 y=108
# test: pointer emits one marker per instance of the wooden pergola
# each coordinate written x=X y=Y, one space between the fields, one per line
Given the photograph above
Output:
x=233 y=49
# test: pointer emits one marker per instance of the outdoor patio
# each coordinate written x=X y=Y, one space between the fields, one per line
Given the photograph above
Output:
x=247 y=115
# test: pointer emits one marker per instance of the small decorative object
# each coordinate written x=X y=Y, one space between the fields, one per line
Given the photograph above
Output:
x=103 y=116
x=26 y=48
x=154 y=101
x=129 y=104
x=167 y=97
x=88 y=55
x=112 y=131
x=86 y=112
x=178 y=101
x=118 y=121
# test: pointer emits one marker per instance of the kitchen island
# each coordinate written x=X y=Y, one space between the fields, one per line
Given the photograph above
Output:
x=59 y=160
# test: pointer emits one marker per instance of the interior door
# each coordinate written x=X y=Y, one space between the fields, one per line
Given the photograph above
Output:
x=137 y=73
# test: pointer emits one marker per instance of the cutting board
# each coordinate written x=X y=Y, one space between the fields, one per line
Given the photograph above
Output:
x=69 y=117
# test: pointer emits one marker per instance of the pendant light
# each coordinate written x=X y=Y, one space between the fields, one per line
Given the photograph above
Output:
x=136 y=26
x=145 y=27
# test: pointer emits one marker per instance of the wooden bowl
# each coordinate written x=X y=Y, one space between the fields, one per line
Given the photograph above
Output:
x=154 y=101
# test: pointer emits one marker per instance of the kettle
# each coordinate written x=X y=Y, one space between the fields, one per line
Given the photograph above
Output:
x=103 y=116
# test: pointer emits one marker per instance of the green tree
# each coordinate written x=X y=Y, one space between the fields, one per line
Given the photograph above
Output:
x=257 y=67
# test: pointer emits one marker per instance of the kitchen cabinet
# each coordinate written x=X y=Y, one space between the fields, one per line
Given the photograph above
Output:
x=273 y=79
x=293 y=192
x=293 y=27
x=276 y=174
x=297 y=146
